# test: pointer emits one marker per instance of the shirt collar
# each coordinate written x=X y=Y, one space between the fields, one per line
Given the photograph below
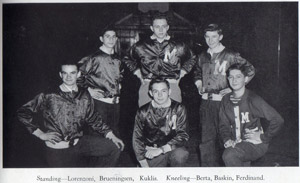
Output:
x=154 y=37
x=66 y=88
x=105 y=51
x=167 y=104
x=218 y=49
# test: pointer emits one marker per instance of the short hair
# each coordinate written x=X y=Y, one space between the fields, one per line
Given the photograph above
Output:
x=214 y=27
x=241 y=67
x=108 y=28
x=158 y=80
x=157 y=16
x=68 y=63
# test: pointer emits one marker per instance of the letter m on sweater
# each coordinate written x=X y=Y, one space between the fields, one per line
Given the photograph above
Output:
x=169 y=55
x=245 y=117
x=220 y=68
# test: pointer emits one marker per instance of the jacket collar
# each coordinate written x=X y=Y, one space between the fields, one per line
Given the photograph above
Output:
x=153 y=37
x=167 y=104
x=65 y=88
x=218 y=49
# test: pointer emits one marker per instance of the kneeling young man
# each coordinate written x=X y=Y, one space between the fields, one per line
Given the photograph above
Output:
x=240 y=126
x=65 y=111
x=159 y=132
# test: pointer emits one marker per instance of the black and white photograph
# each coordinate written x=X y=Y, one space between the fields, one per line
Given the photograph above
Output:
x=150 y=91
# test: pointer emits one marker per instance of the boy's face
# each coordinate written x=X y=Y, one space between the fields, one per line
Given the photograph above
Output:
x=69 y=74
x=160 y=93
x=160 y=28
x=237 y=80
x=212 y=39
x=109 y=39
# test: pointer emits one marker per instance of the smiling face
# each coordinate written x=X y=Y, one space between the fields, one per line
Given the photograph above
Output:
x=69 y=75
x=237 y=80
x=160 y=28
x=109 y=39
x=213 y=39
x=160 y=93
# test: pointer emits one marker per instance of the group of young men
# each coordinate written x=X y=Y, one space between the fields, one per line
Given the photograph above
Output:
x=89 y=96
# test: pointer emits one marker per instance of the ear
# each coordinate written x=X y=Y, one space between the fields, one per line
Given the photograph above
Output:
x=246 y=79
x=150 y=93
x=221 y=37
x=168 y=27
x=78 y=74
x=151 y=27
x=101 y=39
x=60 y=74
x=170 y=91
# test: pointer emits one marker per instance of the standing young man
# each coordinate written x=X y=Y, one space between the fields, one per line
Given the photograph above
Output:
x=65 y=111
x=240 y=126
x=101 y=73
x=159 y=133
x=210 y=79
x=159 y=56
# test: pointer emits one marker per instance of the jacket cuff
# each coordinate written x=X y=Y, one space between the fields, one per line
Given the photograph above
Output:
x=107 y=135
x=264 y=139
x=166 y=148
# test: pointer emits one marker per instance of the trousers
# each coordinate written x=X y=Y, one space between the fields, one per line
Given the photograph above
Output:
x=210 y=145
x=174 y=158
x=110 y=114
x=104 y=151
x=243 y=153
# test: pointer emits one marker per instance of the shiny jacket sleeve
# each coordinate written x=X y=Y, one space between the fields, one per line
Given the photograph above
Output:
x=95 y=121
x=27 y=111
x=198 y=70
x=138 y=139
x=189 y=59
x=264 y=110
x=87 y=70
x=132 y=59
x=181 y=135
x=224 y=124
x=250 y=67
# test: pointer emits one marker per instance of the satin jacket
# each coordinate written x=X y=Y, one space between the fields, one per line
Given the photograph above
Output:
x=63 y=112
x=164 y=59
x=156 y=127
x=211 y=70
x=248 y=113
x=102 y=71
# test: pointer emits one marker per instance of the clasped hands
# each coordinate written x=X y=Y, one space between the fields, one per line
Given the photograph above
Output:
x=153 y=152
x=252 y=136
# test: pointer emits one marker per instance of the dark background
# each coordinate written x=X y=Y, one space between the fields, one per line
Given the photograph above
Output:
x=37 y=37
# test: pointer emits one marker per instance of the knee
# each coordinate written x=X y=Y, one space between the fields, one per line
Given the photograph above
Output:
x=180 y=155
x=229 y=155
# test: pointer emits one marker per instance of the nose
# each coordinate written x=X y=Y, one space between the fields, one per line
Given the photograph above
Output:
x=159 y=94
x=68 y=76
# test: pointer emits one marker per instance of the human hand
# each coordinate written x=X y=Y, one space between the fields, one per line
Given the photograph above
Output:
x=201 y=89
x=225 y=91
x=153 y=152
x=182 y=73
x=119 y=143
x=52 y=137
x=253 y=135
x=96 y=93
x=229 y=143
x=138 y=74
